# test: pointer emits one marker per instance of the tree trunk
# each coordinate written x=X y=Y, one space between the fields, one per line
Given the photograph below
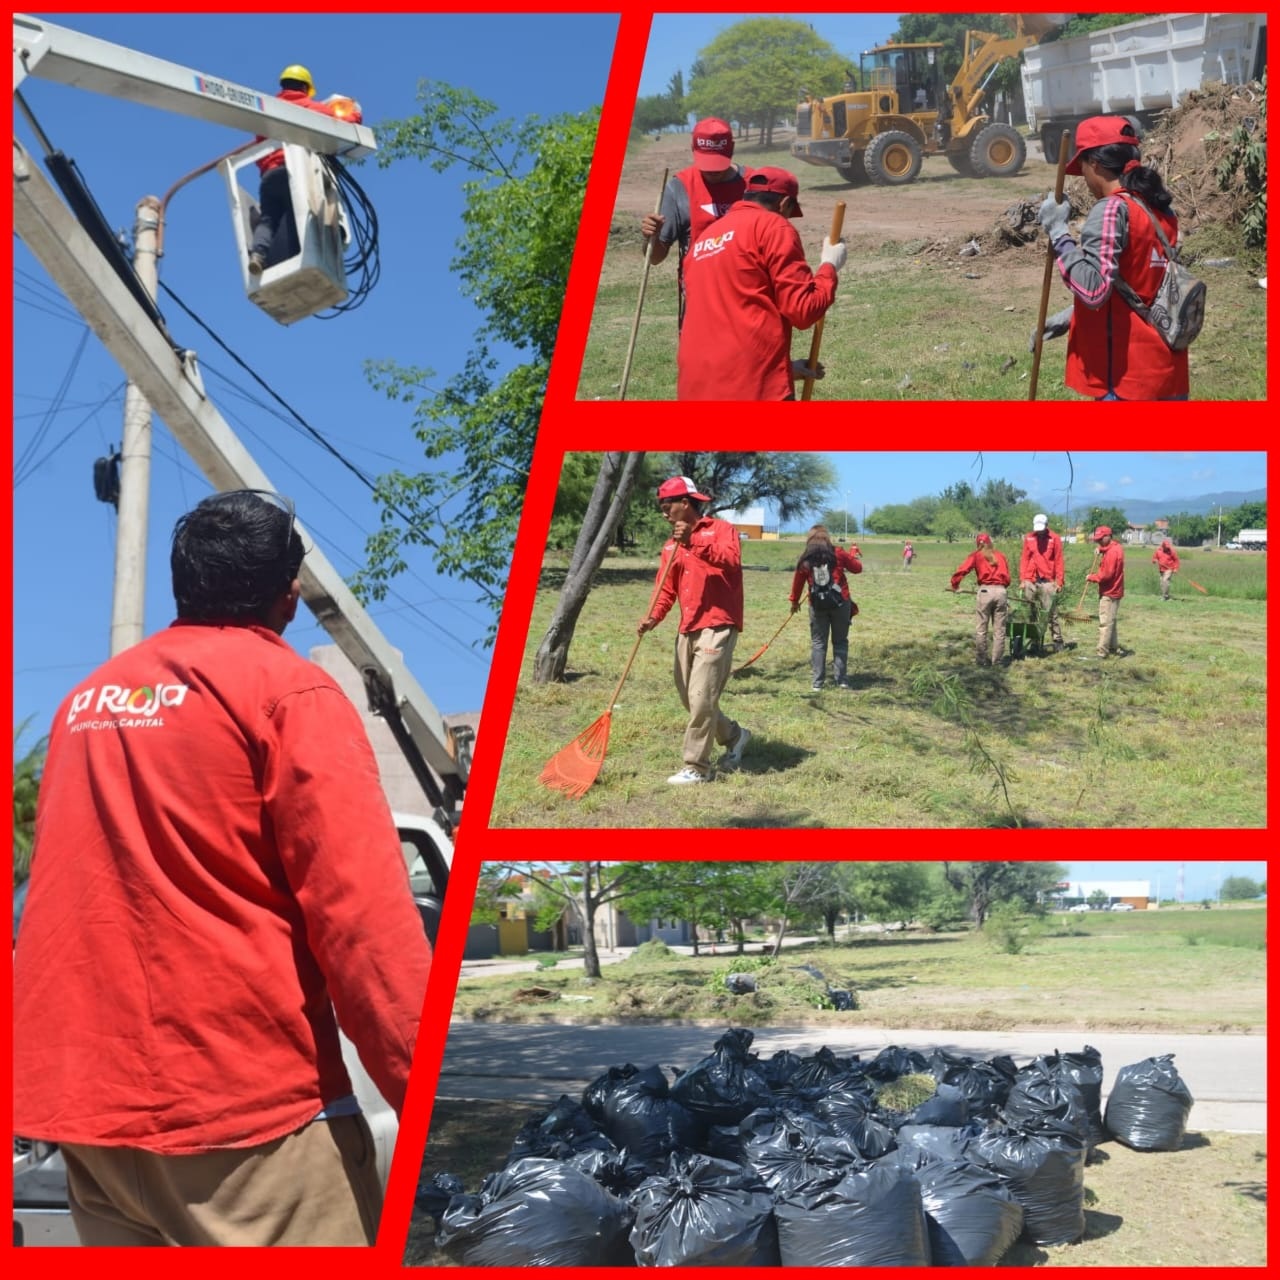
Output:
x=612 y=492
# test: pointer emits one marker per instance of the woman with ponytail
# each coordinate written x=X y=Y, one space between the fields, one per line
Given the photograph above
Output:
x=1112 y=352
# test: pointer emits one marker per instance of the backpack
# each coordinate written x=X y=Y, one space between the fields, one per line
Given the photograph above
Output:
x=825 y=593
x=1177 y=311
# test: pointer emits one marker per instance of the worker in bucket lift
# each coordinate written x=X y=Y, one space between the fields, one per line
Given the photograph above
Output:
x=275 y=237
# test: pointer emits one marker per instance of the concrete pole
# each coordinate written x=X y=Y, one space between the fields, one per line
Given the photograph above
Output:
x=129 y=594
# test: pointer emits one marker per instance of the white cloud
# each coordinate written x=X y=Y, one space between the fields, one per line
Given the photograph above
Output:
x=1206 y=474
x=1096 y=486
x=1125 y=480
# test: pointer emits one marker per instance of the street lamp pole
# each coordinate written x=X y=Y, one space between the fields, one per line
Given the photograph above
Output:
x=846 y=513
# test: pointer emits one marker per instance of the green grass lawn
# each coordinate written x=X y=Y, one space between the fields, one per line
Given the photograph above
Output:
x=1172 y=736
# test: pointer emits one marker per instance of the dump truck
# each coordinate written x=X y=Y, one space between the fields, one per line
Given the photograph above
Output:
x=904 y=111
x=1139 y=69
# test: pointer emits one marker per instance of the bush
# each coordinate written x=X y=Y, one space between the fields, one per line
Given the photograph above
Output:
x=1006 y=928
x=654 y=949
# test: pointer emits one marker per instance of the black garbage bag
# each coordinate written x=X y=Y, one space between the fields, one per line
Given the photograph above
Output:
x=1045 y=1175
x=848 y=1107
x=873 y=1216
x=795 y=1150
x=1084 y=1070
x=985 y=1084
x=703 y=1213
x=973 y=1216
x=616 y=1171
x=779 y=1069
x=597 y=1092
x=894 y=1061
x=948 y=1106
x=1149 y=1105
x=724 y=1086
x=1048 y=1102
x=842 y=1001
x=821 y=1068
x=641 y=1115
x=537 y=1213
x=434 y=1197
x=940 y=1142
x=564 y=1129
x=740 y=984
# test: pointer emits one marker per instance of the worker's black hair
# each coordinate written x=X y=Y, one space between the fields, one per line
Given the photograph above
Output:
x=770 y=199
x=233 y=556
x=1144 y=182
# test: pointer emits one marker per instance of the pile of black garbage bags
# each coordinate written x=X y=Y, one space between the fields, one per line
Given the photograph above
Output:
x=790 y=1161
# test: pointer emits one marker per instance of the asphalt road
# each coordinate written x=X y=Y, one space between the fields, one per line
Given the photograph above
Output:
x=537 y=1063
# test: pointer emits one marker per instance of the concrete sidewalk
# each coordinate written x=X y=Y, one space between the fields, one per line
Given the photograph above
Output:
x=536 y=1063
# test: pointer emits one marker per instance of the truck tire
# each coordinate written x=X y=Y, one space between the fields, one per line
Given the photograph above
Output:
x=893 y=159
x=960 y=162
x=1051 y=140
x=855 y=172
x=998 y=151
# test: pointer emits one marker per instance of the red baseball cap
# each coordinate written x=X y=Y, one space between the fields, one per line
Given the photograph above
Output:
x=1100 y=532
x=778 y=181
x=983 y=537
x=680 y=487
x=712 y=145
x=1101 y=131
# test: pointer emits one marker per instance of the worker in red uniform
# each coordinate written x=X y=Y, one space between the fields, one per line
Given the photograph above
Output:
x=1166 y=560
x=1112 y=352
x=216 y=874
x=706 y=577
x=992 y=571
x=747 y=285
x=275 y=237
x=695 y=197
x=822 y=571
x=1109 y=575
x=1041 y=576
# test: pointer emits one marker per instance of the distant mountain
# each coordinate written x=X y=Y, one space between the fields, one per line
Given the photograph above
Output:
x=1143 y=511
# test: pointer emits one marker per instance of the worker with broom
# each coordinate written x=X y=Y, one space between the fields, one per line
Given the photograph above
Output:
x=1166 y=560
x=992 y=571
x=1042 y=574
x=748 y=285
x=705 y=575
x=1109 y=575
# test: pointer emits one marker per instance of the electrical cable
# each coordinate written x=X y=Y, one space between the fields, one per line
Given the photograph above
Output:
x=363 y=264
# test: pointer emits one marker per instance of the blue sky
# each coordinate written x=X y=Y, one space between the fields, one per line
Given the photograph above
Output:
x=64 y=538
x=1102 y=479
x=676 y=38
x=1200 y=880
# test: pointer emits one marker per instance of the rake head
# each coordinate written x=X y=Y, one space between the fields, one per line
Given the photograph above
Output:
x=574 y=768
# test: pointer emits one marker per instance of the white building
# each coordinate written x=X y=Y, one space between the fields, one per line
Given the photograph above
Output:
x=1135 y=892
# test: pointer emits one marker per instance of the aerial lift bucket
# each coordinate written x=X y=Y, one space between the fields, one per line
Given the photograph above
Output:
x=314 y=278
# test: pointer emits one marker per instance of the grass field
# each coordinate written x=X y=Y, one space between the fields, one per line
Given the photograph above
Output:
x=913 y=320
x=1179 y=970
x=1172 y=736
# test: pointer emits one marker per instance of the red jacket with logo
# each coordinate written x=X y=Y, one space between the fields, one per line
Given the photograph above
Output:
x=1110 y=348
x=992 y=572
x=215 y=862
x=846 y=562
x=706 y=578
x=1042 y=558
x=300 y=98
x=747 y=285
x=1166 y=559
x=1110 y=572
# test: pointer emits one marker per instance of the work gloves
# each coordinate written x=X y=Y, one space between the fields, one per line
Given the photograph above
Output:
x=1054 y=327
x=1053 y=217
x=800 y=369
x=834 y=255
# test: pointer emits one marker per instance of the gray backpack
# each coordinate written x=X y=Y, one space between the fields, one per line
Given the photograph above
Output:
x=1177 y=311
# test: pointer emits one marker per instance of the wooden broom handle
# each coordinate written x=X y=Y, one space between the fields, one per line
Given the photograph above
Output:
x=837 y=226
x=635 y=648
x=644 y=284
x=1048 y=273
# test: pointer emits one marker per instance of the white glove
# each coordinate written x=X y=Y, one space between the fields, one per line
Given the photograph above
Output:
x=834 y=255
x=1053 y=217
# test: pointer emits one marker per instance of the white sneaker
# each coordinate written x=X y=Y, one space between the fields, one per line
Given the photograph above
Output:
x=734 y=753
x=687 y=774
x=817 y=688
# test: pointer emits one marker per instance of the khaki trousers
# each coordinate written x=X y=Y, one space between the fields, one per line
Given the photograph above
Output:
x=1044 y=597
x=993 y=611
x=317 y=1186
x=704 y=660
x=1166 y=577
x=1108 y=607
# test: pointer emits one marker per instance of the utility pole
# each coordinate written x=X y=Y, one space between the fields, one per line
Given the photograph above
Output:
x=129 y=592
x=846 y=514
x=1219 y=524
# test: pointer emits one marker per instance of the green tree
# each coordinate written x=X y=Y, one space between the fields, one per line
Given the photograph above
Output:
x=1097 y=899
x=889 y=892
x=984 y=884
x=1239 y=889
x=524 y=187
x=839 y=521
x=710 y=895
x=1248 y=515
x=950 y=522
x=657 y=111
x=794 y=483
x=27 y=769
x=1188 y=530
x=1112 y=517
x=753 y=71
x=896 y=519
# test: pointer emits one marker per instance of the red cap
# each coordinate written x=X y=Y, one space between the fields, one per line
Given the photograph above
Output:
x=1100 y=532
x=983 y=537
x=712 y=145
x=1101 y=131
x=778 y=181
x=680 y=487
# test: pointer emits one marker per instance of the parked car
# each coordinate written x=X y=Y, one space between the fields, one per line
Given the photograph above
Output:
x=1080 y=906
x=41 y=1215
x=1122 y=906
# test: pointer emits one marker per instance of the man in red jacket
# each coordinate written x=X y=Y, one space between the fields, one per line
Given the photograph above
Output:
x=1166 y=560
x=695 y=197
x=1109 y=576
x=747 y=284
x=275 y=237
x=1041 y=575
x=706 y=577
x=992 y=571
x=216 y=873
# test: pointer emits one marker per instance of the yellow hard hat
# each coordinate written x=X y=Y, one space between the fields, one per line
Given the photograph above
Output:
x=298 y=72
